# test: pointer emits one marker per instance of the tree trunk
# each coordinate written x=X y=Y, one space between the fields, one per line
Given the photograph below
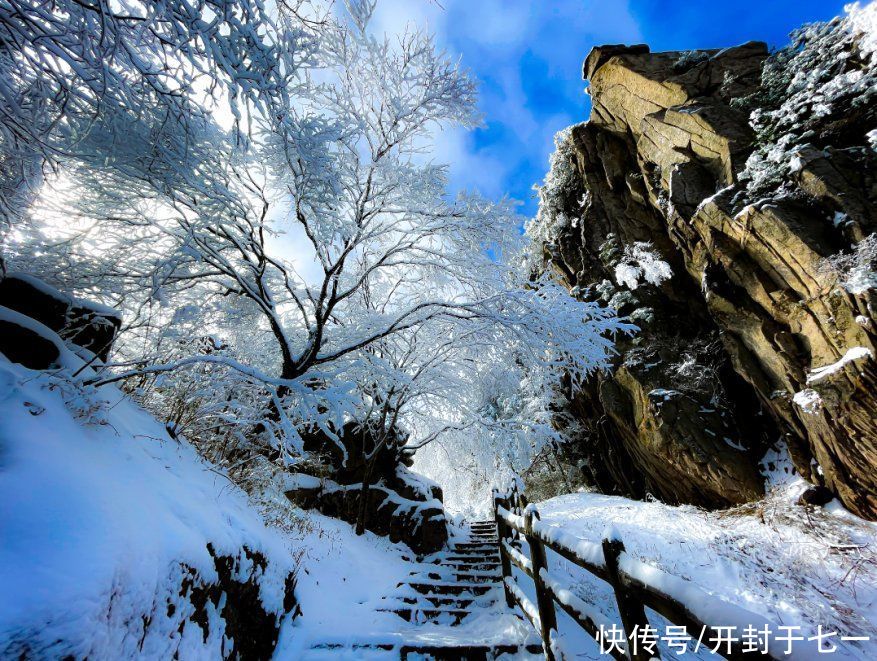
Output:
x=363 y=498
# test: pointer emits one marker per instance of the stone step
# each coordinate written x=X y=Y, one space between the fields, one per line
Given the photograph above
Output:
x=474 y=542
x=445 y=652
x=428 y=601
x=449 y=587
x=485 y=603
x=450 y=568
x=465 y=558
x=474 y=546
x=452 y=616
x=476 y=565
x=478 y=547
x=474 y=556
x=459 y=577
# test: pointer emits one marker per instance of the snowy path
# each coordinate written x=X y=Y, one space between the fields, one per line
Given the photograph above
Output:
x=450 y=606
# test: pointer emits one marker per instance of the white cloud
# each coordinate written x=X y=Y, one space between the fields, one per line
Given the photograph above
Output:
x=495 y=39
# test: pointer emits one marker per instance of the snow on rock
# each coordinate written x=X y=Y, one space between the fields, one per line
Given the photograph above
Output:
x=27 y=341
x=663 y=393
x=808 y=400
x=119 y=542
x=821 y=373
x=768 y=562
x=86 y=324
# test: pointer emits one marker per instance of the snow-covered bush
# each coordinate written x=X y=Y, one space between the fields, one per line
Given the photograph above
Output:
x=827 y=67
x=560 y=191
x=687 y=59
x=863 y=22
x=856 y=271
x=698 y=369
x=641 y=263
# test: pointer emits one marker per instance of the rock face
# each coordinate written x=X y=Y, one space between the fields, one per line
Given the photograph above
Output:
x=233 y=600
x=746 y=183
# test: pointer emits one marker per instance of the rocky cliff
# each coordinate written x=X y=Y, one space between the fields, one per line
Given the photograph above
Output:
x=725 y=201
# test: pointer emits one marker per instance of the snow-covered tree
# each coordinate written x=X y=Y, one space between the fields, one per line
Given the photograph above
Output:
x=73 y=68
x=191 y=232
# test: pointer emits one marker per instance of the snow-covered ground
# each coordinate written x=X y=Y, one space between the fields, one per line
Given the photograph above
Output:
x=793 y=566
x=102 y=515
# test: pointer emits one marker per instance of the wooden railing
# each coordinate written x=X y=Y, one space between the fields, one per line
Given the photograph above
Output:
x=518 y=522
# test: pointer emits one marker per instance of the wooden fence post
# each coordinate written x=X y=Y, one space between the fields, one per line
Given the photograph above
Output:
x=544 y=600
x=503 y=557
x=633 y=614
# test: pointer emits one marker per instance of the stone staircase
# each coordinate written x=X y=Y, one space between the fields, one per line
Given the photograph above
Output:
x=453 y=584
x=449 y=590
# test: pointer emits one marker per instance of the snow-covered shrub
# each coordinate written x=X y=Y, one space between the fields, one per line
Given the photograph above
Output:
x=688 y=59
x=827 y=67
x=697 y=370
x=689 y=365
x=610 y=251
x=641 y=263
x=559 y=192
x=856 y=271
x=553 y=473
x=863 y=22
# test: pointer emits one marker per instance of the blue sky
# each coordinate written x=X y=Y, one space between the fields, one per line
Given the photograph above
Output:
x=528 y=54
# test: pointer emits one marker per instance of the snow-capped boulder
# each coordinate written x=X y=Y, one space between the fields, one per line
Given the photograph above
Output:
x=85 y=324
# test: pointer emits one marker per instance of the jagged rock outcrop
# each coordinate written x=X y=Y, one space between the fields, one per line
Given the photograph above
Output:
x=400 y=504
x=746 y=175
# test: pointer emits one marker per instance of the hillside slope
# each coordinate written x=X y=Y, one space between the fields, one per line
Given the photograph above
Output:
x=119 y=542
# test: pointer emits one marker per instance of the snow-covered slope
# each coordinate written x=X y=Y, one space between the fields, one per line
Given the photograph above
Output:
x=119 y=542
x=793 y=566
